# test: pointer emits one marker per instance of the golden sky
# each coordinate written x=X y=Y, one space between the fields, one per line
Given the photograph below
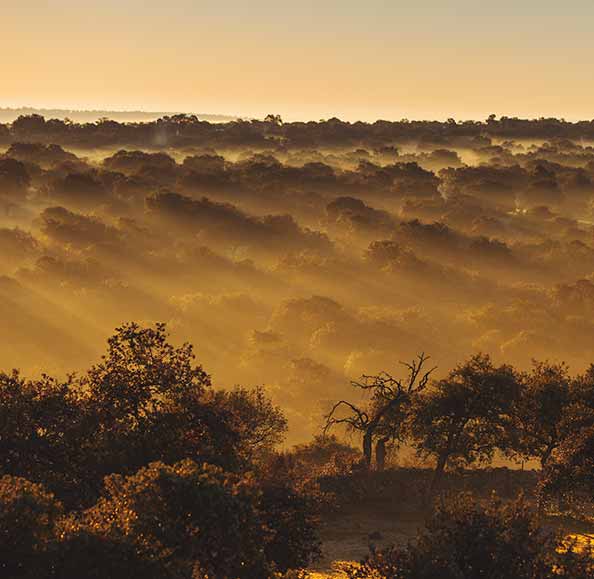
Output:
x=303 y=59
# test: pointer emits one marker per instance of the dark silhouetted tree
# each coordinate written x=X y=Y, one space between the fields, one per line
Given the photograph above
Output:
x=382 y=418
x=463 y=417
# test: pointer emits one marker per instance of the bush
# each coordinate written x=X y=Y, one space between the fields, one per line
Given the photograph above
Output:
x=83 y=551
x=27 y=516
x=190 y=518
x=290 y=516
x=464 y=540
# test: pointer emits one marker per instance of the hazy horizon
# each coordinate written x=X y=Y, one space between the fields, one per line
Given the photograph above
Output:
x=387 y=60
x=152 y=114
x=9 y=114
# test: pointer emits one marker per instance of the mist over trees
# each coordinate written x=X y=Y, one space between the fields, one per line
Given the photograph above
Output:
x=309 y=253
x=309 y=264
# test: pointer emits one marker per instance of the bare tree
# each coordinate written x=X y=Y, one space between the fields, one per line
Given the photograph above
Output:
x=381 y=418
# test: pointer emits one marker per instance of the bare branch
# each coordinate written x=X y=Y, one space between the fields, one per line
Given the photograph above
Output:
x=358 y=422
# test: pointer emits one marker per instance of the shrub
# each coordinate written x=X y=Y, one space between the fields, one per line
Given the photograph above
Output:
x=81 y=550
x=464 y=540
x=27 y=516
x=190 y=518
x=290 y=516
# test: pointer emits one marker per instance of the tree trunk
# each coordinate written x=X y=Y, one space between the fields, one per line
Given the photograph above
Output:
x=544 y=459
x=438 y=473
x=367 y=447
x=380 y=453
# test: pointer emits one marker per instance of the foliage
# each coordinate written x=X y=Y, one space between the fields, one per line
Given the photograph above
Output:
x=188 y=517
x=145 y=401
x=179 y=521
x=27 y=516
x=40 y=431
x=291 y=517
x=260 y=424
x=572 y=471
x=191 y=486
x=464 y=540
x=463 y=417
x=325 y=454
x=547 y=412
x=80 y=550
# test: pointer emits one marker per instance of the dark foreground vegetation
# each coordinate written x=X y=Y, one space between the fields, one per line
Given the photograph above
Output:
x=463 y=539
x=139 y=467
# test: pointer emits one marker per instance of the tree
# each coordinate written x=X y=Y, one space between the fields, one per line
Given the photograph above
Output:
x=547 y=411
x=260 y=424
x=28 y=125
x=572 y=469
x=463 y=417
x=40 y=430
x=274 y=119
x=322 y=452
x=150 y=402
x=381 y=419
x=146 y=401
x=14 y=178
x=141 y=373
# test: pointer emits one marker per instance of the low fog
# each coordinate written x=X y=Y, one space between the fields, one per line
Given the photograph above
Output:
x=298 y=256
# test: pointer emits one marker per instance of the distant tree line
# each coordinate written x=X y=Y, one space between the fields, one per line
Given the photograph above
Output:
x=184 y=130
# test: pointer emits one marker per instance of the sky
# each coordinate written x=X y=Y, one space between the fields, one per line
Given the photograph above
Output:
x=302 y=59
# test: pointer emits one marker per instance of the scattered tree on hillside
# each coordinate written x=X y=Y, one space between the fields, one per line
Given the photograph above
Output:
x=546 y=412
x=381 y=419
x=463 y=417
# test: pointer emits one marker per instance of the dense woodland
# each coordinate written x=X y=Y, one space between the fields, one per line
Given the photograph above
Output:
x=187 y=130
x=310 y=264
